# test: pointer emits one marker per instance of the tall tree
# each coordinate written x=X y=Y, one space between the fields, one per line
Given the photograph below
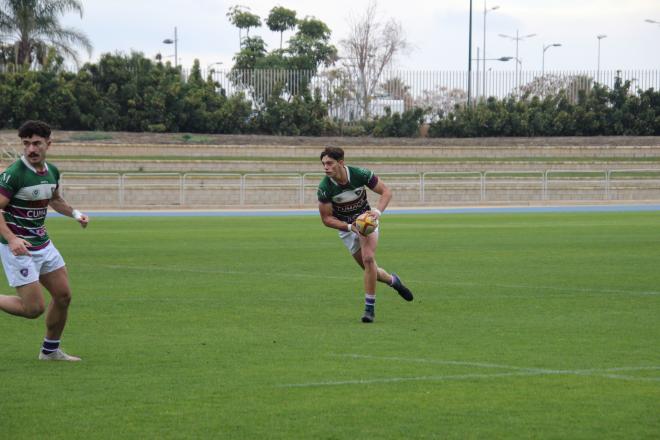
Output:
x=281 y=19
x=370 y=47
x=33 y=27
x=265 y=74
x=242 y=18
x=310 y=47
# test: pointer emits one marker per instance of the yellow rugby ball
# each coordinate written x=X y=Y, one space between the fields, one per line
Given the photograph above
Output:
x=366 y=224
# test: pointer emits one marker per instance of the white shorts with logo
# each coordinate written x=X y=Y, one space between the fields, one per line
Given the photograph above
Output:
x=352 y=240
x=23 y=269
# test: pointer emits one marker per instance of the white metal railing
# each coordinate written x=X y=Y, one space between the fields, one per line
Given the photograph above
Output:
x=299 y=189
x=403 y=89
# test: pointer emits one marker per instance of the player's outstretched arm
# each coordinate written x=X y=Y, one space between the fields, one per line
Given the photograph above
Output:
x=60 y=205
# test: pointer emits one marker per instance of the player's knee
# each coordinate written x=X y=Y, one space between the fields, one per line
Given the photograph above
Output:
x=368 y=260
x=33 y=311
x=63 y=298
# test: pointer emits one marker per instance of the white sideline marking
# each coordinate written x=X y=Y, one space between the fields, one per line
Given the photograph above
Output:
x=519 y=371
x=404 y=379
x=437 y=283
x=434 y=361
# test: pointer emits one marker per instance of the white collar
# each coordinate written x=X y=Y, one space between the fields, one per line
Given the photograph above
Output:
x=348 y=177
x=27 y=164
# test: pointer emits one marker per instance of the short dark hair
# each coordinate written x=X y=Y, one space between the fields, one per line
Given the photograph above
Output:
x=31 y=128
x=334 y=152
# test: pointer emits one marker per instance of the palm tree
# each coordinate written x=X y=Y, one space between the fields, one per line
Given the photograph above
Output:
x=31 y=30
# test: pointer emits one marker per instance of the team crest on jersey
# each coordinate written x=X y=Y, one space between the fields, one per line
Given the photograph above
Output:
x=35 y=193
x=349 y=196
x=24 y=272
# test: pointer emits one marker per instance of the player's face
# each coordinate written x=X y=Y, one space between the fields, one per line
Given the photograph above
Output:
x=34 y=149
x=331 y=166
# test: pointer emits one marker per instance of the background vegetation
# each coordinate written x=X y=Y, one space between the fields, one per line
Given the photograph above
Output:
x=134 y=93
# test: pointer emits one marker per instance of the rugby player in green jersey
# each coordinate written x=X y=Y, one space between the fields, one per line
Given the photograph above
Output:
x=27 y=188
x=342 y=198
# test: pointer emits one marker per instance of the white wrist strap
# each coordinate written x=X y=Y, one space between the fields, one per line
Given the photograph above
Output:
x=378 y=211
x=349 y=227
x=76 y=214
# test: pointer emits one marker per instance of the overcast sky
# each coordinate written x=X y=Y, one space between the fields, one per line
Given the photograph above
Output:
x=437 y=30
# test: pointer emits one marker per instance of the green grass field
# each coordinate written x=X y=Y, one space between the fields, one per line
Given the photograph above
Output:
x=541 y=326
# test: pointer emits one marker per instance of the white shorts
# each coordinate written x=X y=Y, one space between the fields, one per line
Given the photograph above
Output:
x=23 y=269
x=352 y=240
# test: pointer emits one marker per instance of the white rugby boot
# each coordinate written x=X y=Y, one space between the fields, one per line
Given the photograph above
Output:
x=57 y=355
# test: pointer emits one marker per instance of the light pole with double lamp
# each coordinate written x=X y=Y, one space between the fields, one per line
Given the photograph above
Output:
x=517 y=39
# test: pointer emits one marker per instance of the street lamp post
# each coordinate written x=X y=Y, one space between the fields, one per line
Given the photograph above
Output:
x=500 y=59
x=478 y=60
x=486 y=11
x=217 y=63
x=600 y=37
x=469 y=85
x=648 y=20
x=545 y=47
x=209 y=70
x=176 y=44
x=517 y=39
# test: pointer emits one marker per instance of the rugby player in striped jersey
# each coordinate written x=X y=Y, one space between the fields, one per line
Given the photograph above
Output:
x=342 y=197
x=30 y=260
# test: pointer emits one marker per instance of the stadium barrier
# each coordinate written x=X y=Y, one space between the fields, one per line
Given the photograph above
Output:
x=285 y=190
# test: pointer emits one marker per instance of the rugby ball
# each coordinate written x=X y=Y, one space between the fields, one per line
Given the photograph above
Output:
x=366 y=224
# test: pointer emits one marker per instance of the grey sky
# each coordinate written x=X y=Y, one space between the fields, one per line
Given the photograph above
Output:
x=438 y=30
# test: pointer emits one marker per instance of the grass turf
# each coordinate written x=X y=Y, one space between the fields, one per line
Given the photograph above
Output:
x=523 y=326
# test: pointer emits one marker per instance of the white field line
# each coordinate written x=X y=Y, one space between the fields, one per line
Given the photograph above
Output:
x=438 y=283
x=519 y=371
x=403 y=379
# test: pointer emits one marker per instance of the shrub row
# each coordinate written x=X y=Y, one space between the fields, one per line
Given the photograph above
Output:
x=132 y=93
x=599 y=111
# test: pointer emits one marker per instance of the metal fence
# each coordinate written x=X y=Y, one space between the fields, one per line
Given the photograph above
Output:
x=401 y=90
x=404 y=89
x=227 y=190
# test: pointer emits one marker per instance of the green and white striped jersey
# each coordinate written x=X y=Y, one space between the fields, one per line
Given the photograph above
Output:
x=350 y=200
x=29 y=193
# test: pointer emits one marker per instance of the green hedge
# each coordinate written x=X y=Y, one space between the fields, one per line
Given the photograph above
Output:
x=132 y=93
x=598 y=112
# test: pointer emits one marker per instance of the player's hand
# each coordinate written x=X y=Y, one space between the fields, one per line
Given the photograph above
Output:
x=18 y=246
x=83 y=220
x=375 y=214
